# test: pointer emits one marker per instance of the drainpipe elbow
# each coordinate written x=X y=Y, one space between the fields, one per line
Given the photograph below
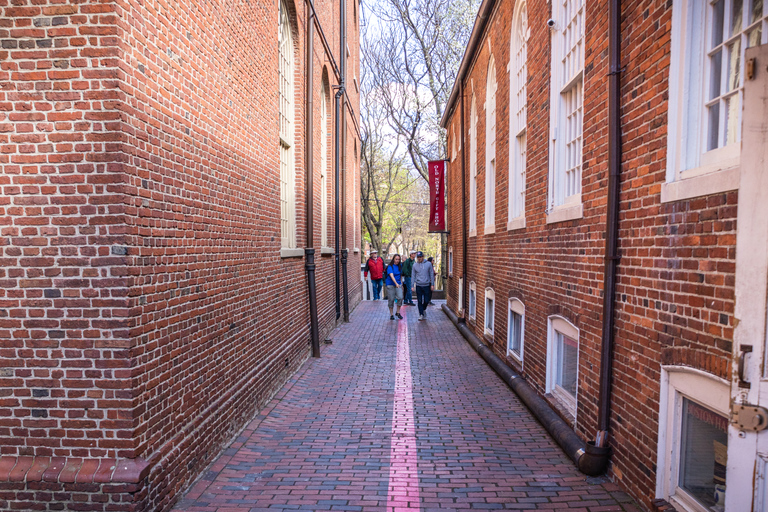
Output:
x=593 y=461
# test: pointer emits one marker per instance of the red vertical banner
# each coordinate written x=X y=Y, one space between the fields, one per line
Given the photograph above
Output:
x=436 y=196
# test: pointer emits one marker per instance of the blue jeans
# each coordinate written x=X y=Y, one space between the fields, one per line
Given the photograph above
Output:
x=377 y=284
x=408 y=297
x=423 y=294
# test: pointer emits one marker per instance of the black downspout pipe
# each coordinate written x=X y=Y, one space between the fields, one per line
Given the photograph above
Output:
x=463 y=213
x=345 y=251
x=336 y=254
x=342 y=125
x=309 y=251
x=611 y=223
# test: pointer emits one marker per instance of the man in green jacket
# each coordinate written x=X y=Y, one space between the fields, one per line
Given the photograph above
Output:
x=407 y=268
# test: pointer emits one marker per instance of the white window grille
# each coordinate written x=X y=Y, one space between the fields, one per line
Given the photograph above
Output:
x=568 y=95
x=706 y=91
x=490 y=310
x=518 y=100
x=473 y=167
x=472 y=301
x=490 y=147
x=515 y=329
x=286 y=115
x=324 y=166
x=563 y=362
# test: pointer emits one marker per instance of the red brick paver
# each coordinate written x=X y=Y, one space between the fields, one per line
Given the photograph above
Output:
x=326 y=441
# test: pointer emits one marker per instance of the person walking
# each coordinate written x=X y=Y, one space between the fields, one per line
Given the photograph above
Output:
x=407 y=266
x=423 y=276
x=394 y=286
x=375 y=266
x=435 y=271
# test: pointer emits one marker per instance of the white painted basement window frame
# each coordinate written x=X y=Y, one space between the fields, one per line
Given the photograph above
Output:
x=558 y=331
x=704 y=389
x=461 y=294
x=706 y=94
x=472 y=301
x=490 y=311
x=566 y=122
x=518 y=100
x=450 y=261
x=516 y=329
x=490 y=148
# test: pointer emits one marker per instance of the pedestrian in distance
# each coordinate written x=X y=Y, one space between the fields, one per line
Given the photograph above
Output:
x=407 y=266
x=435 y=271
x=423 y=276
x=375 y=266
x=394 y=286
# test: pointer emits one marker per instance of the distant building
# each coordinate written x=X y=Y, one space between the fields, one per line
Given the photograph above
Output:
x=528 y=142
x=153 y=226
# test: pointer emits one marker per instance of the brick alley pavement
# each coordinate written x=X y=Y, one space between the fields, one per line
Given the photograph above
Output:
x=397 y=416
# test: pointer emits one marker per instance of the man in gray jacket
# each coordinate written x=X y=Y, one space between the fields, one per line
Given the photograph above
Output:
x=423 y=279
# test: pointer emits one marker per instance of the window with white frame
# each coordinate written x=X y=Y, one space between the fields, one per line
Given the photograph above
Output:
x=693 y=439
x=324 y=131
x=354 y=201
x=515 y=329
x=518 y=99
x=567 y=104
x=450 y=261
x=490 y=310
x=472 y=301
x=286 y=115
x=706 y=92
x=453 y=144
x=461 y=294
x=563 y=362
x=490 y=148
x=473 y=167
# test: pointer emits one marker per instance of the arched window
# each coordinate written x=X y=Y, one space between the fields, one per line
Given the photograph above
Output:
x=515 y=329
x=490 y=148
x=563 y=362
x=473 y=167
x=518 y=99
x=490 y=311
x=324 y=165
x=287 y=171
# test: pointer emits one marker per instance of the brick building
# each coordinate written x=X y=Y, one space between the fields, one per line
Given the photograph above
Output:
x=153 y=226
x=529 y=143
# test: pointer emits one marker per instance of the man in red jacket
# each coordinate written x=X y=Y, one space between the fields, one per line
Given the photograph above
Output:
x=375 y=266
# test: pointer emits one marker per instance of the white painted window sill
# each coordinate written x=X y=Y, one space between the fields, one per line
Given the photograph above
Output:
x=490 y=229
x=473 y=232
x=518 y=223
x=565 y=212
x=698 y=186
x=357 y=249
x=291 y=253
x=326 y=250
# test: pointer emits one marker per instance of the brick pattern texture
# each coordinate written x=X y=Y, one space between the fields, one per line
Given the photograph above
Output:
x=145 y=312
x=675 y=291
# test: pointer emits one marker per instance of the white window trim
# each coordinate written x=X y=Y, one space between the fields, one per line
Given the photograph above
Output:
x=517 y=177
x=568 y=209
x=490 y=295
x=678 y=382
x=516 y=306
x=712 y=171
x=472 y=303
x=558 y=324
x=491 y=167
x=473 y=167
x=450 y=261
x=461 y=294
x=324 y=161
x=287 y=133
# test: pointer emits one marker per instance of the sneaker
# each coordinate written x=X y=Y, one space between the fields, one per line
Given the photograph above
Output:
x=391 y=317
x=399 y=316
x=421 y=317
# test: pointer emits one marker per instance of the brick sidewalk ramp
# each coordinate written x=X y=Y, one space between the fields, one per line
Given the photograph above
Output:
x=323 y=443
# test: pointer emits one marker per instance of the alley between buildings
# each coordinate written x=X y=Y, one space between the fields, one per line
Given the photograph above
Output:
x=397 y=416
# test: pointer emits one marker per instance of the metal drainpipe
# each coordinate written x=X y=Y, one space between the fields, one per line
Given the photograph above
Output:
x=612 y=222
x=463 y=212
x=337 y=156
x=345 y=251
x=309 y=251
x=339 y=135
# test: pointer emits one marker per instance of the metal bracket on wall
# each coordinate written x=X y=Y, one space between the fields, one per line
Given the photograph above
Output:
x=749 y=418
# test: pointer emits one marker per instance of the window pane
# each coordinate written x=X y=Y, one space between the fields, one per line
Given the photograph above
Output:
x=489 y=314
x=714 y=127
x=718 y=10
x=757 y=11
x=567 y=363
x=703 y=454
x=736 y=16
x=734 y=65
x=515 y=332
x=731 y=118
x=753 y=39
x=716 y=68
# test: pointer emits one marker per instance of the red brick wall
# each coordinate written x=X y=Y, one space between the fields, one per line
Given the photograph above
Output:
x=676 y=274
x=145 y=310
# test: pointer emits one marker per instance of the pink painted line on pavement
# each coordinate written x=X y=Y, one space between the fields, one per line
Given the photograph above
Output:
x=403 y=471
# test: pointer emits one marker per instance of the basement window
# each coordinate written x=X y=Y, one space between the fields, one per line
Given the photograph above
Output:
x=450 y=261
x=563 y=363
x=472 y=301
x=490 y=311
x=515 y=329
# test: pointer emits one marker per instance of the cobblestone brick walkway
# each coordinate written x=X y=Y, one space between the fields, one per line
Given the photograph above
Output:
x=397 y=417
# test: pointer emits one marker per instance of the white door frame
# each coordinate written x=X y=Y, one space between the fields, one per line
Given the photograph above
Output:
x=746 y=449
